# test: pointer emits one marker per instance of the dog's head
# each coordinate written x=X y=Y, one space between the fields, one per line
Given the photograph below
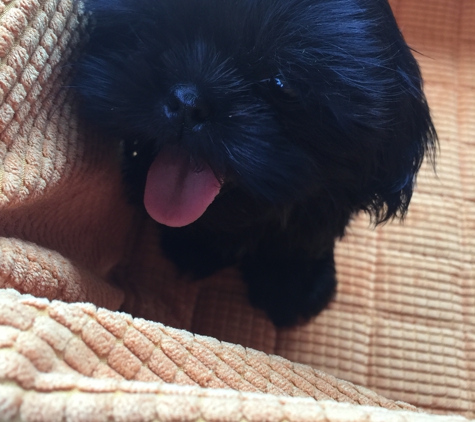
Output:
x=276 y=99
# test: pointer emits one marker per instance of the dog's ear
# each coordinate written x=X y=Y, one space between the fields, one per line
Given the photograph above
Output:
x=378 y=165
x=398 y=160
x=407 y=138
x=111 y=24
x=375 y=104
x=380 y=131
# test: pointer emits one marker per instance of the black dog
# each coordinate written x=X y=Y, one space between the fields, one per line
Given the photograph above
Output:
x=254 y=129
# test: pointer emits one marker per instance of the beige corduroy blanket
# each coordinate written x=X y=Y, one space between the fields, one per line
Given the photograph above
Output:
x=401 y=330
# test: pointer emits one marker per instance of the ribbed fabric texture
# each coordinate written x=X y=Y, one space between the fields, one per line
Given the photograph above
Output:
x=75 y=362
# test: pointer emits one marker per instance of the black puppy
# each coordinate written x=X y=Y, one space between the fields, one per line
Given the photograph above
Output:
x=254 y=129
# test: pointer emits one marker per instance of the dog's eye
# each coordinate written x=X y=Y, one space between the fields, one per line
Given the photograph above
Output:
x=279 y=85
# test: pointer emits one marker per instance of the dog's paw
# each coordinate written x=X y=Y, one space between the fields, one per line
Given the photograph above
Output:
x=289 y=290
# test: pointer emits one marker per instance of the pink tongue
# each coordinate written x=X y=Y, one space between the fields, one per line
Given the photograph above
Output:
x=176 y=195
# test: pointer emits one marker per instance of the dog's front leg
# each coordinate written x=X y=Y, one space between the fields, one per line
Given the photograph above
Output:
x=289 y=285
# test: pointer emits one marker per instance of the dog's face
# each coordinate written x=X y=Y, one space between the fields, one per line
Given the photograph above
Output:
x=278 y=100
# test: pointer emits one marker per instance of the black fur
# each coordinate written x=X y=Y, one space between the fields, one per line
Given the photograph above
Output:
x=310 y=111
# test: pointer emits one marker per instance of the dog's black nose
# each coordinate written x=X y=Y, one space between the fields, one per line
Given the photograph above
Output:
x=186 y=107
